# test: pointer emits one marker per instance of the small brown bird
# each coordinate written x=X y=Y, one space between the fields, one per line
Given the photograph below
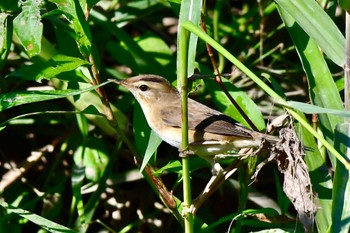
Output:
x=210 y=132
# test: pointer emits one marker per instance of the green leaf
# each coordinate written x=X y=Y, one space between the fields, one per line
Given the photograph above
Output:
x=38 y=220
x=74 y=12
x=5 y=38
x=190 y=11
x=9 y=100
x=55 y=66
x=153 y=144
x=320 y=178
x=323 y=91
x=313 y=109
x=78 y=175
x=137 y=10
x=172 y=166
x=128 y=52
x=341 y=188
x=94 y=157
x=91 y=110
x=318 y=25
x=142 y=131
x=83 y=125
x=154 y=45
x=241 y=216
x=344 y=4
x=28 y=27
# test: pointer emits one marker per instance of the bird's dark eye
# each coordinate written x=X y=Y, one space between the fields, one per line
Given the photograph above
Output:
x=144 y=87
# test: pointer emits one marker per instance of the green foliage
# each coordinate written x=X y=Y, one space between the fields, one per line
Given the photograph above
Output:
x=28 y=27
x=78 y=173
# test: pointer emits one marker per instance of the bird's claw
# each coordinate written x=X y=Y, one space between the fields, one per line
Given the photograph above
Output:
x=186 y=211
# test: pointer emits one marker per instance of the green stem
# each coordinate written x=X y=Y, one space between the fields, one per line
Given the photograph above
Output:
x=183 y=40
x=196 y=30
x=184 y=36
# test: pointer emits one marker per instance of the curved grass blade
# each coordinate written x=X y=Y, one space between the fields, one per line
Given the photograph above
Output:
x=313 y=109
x=40 y=221
x=341 y=187
x=323 y=91
x=190 y=10
x=45 y=70
x=12 y=99
x=318 y=25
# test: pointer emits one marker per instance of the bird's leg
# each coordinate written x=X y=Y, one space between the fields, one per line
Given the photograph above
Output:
x=183 y=153
x=216 y=168
x=241 y=154
x=213 y=184
x=219 y=175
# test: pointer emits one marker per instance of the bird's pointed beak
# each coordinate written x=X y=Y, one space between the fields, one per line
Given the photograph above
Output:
x=116 y=81
x=119 y=82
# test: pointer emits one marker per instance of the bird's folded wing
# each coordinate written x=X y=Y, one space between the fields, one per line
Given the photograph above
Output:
x=204 y=119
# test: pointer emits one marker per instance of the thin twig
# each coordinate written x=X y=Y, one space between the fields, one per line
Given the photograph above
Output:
x=97 y=80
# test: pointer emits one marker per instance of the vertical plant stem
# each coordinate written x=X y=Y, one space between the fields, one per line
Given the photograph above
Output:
x=183 y=40
x=216 y=16
x=190 y=10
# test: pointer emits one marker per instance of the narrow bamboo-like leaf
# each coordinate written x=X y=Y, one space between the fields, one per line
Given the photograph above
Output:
x=318 y=25
x=153 y=144
x=323 y=91
x=341 y=188
x=190 y=11
x=56 y=65
x=36 y=219
x=28 y=27
x=313 y=109
x=321 y=179
x=83 y=126
x=9 y=100
x=268 y=212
